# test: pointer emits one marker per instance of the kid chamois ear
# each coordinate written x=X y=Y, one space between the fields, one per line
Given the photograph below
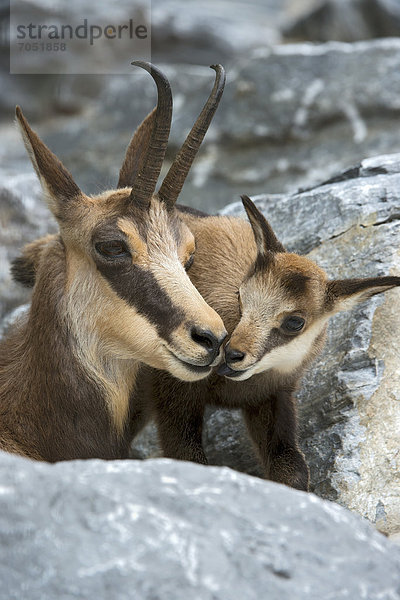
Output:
x=266 y=240
x=56 y=180
x=344 y=294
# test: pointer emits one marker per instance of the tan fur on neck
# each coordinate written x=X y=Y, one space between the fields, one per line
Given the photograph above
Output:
x=109 y=366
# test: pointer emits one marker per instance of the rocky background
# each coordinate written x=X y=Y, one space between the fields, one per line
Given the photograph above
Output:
x=311 y=131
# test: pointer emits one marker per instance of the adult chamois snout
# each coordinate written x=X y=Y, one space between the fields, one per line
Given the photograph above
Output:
x=127 y=294
x=286 y=302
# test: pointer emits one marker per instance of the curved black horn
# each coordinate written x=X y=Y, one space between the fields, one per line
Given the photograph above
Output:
x=175 y=178
x=146 y=180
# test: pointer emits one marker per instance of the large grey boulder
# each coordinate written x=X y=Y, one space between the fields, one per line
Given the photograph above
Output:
x=164 y=529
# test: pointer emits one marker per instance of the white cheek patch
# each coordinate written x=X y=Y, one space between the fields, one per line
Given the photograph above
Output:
x=288 y=357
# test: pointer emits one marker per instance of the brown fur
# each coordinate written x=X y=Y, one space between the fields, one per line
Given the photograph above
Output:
x=49 y=407
x=109 y=291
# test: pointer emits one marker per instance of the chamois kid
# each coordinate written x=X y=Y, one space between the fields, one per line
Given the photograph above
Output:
x=110 y=291
x=275 y=306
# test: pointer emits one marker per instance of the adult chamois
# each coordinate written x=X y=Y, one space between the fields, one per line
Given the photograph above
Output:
x=110 y=291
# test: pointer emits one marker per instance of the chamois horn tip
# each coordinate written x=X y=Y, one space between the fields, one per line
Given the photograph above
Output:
x=142 y=63
x=146 y=179
x=20 y=118
x=220 y=71
x=150 y=68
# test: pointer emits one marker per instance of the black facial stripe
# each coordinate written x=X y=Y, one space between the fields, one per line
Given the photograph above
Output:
x=109 y=232
x=139 y=288
x=275 y=339
x=295 y=283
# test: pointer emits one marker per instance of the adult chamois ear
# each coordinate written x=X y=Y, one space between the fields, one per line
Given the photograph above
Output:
x=266 y=240
x=56 y=180
x=24 y=267
x=136 y=151
x=344 y=294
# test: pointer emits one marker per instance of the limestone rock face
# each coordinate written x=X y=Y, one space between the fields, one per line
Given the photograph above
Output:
x=291 y=116
x=164 y=529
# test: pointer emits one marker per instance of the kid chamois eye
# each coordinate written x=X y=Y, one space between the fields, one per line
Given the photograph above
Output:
x=293 y=324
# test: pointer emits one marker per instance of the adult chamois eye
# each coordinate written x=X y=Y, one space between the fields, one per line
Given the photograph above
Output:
x=293 y=324
x=189 y=262
x=112 y=249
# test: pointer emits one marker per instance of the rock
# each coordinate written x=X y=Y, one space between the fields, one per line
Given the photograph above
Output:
x=295 y=115
x=215 y=31
x=11 y=317
x=206 y=33
x=165 y=529
x=23 y=217
x=291 y=117
x=347 y=21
